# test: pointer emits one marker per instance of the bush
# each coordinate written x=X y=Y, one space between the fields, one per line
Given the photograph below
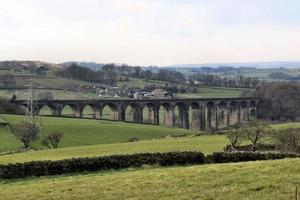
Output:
x=42 y=168
x=52 y=140
x=235 y=136
x=249 y=147
x=288 y=140
x=133 y=139
x=26 y=132
x=226 y=157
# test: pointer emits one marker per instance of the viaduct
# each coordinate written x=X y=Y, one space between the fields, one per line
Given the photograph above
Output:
x=205 y=113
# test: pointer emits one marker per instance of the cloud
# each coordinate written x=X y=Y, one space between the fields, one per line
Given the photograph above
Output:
x=149 y=31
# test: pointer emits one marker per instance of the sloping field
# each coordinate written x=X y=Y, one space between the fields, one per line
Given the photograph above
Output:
x=206 y=144
x=79 y=132
x=267 y=180
x=214 y=92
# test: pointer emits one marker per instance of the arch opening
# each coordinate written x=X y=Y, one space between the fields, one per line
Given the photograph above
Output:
x=222 y=115
x=195 y=116
x=234 y=114
x=211 y=116
x=68 y=111
x=165 y=115
x=109 y=111
x=45 y=110
x=150 y=114
x=89 y=111
x=252 y=114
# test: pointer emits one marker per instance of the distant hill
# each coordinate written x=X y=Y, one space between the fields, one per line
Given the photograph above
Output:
x=92 y=65
x=287 y=64
x=14 y=64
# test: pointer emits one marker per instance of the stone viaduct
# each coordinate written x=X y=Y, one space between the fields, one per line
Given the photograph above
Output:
x=206 y=113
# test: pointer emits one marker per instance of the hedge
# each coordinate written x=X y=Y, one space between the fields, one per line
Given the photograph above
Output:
x=226 y=157
x=249 y=147
x=57 y=167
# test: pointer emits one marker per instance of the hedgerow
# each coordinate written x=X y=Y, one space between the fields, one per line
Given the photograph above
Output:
x=75 y=165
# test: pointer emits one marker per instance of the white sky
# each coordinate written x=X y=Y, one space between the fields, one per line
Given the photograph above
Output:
x=150 y=32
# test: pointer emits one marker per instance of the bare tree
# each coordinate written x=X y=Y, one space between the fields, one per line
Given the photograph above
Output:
x=26 y=133
x=288 y=139
x=256 y=132
x=235 y=136
x=52 y=140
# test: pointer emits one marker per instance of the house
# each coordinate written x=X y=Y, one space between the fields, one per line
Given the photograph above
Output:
x=160 y=93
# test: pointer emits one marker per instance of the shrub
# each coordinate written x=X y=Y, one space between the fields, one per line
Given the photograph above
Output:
x=249 y=147
x=26 y=132
x=288 y=140
x=225 y=157
x=235 y=136
x=52 y=140
x=133 y=139
x=255 y=132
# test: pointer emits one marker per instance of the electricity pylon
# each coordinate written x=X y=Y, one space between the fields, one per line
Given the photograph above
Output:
x=32 y=109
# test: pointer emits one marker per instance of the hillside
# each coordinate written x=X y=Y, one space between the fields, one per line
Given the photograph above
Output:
x=80 y=132
x=267 y=180
x=206 y=144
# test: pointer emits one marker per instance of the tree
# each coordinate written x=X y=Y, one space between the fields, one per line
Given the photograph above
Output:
x=52 y=140
x=288 y=139
x=45 y=96
x=26 y=132
x=256 y=132
x=281 y=101
x=235 y=136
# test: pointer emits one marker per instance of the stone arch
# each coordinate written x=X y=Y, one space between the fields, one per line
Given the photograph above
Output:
x=150 y=113
x=234 y=116
x=91 y=111
x=252 y=114
x=46 y=109
x=195 y=116
x=133 y=112
x=253 y=103
x=108 y=111
x=211 y=116
x=71 y=110
x=182 y=117
x=166 y=114
x=244 y=111
x=222 y=115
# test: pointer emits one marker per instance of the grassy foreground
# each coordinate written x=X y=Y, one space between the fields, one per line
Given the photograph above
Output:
x=206 y=144
x=265 y=180
x=79 y=132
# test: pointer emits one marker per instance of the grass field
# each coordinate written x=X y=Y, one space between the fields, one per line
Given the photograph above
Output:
x=79 y=132
x=139 y=82
x=57 y=94
x=206 y=144
x=265 y=180
x=214 y=92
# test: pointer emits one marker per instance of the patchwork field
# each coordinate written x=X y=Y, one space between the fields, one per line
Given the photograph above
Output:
x=267 y=180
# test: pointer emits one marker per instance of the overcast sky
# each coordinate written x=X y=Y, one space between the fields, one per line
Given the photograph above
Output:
x=150 y=32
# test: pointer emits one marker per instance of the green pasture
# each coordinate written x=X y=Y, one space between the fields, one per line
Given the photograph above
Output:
x=79 y=132
x=206 y=144
x=265 y=180
x=213 y=92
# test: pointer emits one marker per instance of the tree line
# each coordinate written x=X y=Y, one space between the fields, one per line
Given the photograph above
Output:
x=111 y=73
x=215 y=80
x=280 y=101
